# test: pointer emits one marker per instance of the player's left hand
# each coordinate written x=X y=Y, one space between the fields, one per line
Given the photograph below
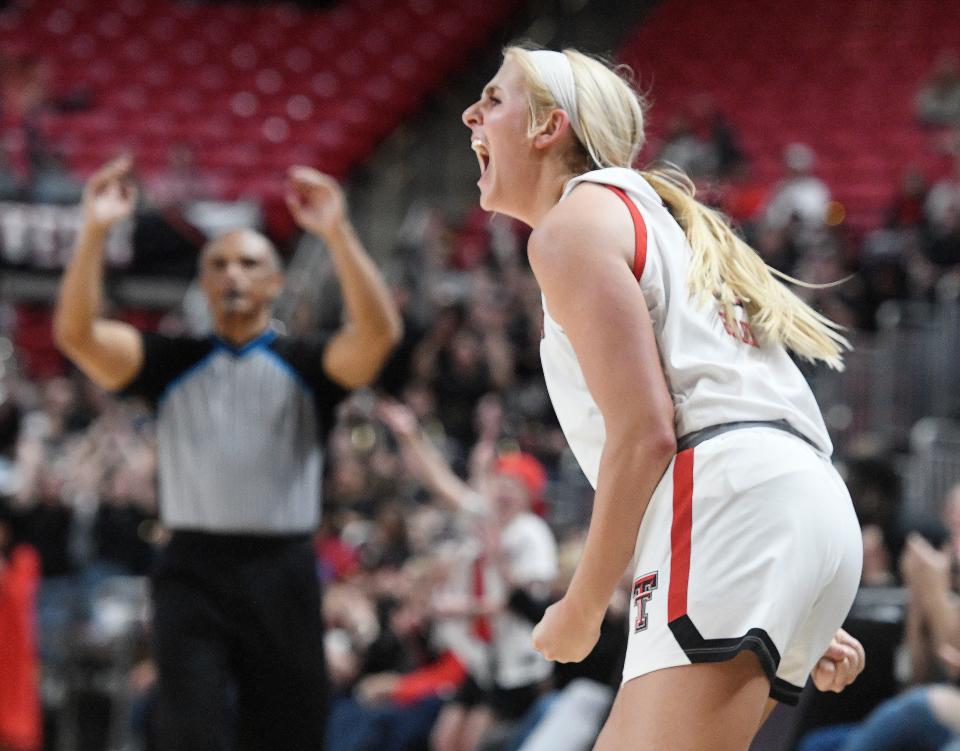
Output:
x=840 y=665
x=566 y=633
x=315 y=200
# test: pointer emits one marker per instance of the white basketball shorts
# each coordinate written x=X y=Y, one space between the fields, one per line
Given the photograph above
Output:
x=750 y=542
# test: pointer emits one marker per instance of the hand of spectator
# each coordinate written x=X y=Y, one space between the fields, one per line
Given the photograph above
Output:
x=566 y=633
x=840 y=665
x=489 y=418
x=399 y=418
x=949 y=657
x=142 y=677
x=925 y=569
x=109 y=195
x=482 y=456
x=376 y=688
x=315 y=200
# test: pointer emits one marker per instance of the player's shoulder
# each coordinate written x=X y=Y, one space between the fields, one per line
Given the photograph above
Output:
x=589 y=205
x=590 y=218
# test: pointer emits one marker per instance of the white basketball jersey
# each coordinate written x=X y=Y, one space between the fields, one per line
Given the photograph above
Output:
x=717 y=372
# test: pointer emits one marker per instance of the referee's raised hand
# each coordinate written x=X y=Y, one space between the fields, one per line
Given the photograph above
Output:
x=109 y=195
x=315 y=200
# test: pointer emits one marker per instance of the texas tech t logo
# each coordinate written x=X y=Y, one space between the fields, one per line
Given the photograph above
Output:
x=642 y=592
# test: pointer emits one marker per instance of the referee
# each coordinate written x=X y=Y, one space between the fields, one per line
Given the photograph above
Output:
x=241 y=420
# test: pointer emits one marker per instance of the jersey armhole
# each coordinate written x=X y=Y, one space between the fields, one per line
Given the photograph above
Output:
x=639 y=229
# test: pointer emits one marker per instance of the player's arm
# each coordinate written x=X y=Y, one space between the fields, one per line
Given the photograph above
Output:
x=582 y=256
x=359 y=349
x=109 y=352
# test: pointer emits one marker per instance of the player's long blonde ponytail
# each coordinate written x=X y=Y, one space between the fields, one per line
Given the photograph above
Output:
x=724 y=267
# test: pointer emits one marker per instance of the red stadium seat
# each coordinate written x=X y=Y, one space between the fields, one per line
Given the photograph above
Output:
x=251 y=88
x=838 y=76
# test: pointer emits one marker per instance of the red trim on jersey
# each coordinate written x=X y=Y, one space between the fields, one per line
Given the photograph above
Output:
x=640 y=231
x=680 y=534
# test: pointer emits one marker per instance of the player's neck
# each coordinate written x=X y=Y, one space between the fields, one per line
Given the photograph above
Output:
x=547 y=192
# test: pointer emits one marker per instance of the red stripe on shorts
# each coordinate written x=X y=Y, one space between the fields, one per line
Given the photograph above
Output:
x=680 y=534
x=639 y=230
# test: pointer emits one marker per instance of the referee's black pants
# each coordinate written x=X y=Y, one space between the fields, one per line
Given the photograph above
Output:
x=238 y=636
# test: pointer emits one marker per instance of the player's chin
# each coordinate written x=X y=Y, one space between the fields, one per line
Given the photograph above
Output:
x=484 y=200
x=489 y=200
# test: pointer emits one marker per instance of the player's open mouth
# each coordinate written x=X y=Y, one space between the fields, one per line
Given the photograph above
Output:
x=483 y=155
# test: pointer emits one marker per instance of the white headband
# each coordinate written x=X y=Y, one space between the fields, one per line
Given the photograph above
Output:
x=554 y=68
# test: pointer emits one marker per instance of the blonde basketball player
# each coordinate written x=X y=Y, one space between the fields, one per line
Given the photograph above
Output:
x=665 y=354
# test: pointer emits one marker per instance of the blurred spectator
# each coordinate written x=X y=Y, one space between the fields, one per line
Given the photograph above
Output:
x=723 y=151
x=938 y=101
x=52 y=183
x=510 y=578
x=26 y=96
x=335 y=558
x=876 y=490
x=943 y=201
x=933 y=621
x=892 y=259
x=702 y=141
x=460 y=371
x=743 y=196
x=10 y=186
x=822 y=264
x=695 y=155
x=877 y=569
x=777 y=247
x=24 y=84
x=906 y=210
x=726 y=143
x=942 y=209
x=801 y=196
x=923 y=719
x=125 y=525
x=399 y=679
x=180 y=182
x=20 y=728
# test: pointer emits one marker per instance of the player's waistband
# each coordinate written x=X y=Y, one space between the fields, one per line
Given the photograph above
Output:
x=704 y=434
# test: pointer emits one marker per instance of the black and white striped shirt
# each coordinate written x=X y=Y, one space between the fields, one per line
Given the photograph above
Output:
x=240 y=430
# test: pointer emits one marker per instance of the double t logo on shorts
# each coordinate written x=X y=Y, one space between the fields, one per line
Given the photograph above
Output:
x=642 y=593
